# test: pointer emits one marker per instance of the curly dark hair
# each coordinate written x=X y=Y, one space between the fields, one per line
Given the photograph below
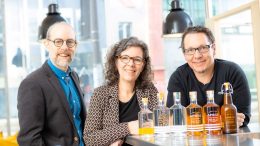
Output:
x=197 y=29
x=111 y=73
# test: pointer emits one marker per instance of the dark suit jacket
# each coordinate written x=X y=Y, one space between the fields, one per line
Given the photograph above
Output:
x=102 y=126
x=44 y=114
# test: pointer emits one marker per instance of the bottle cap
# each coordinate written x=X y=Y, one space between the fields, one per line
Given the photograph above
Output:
x=226 y=88
x=160 y=96
x=210 y=94
x=177 y=96
x=193 y=95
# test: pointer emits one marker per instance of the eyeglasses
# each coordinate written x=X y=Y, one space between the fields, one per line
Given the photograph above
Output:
x=126 y=59
x=201 y=49
x=59 y=42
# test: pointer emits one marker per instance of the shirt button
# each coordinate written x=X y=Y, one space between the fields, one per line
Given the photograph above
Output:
x=76 y=139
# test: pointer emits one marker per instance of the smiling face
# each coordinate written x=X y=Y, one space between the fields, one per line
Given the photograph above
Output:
x=62 y=56
x=129 y=72
x=199 y=62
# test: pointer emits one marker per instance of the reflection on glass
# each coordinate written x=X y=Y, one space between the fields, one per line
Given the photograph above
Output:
x=213 y=140
x=230 y=140
x=220 y=6
x=195 y=140
x=179 y=141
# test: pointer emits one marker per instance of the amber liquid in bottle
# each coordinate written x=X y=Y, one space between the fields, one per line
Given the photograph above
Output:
x=211 y=116
x=194 y=116
x=145 y=118
x=228 y=110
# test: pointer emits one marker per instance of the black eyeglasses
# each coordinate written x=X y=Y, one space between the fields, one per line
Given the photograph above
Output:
x=201 y=49
x=126 y=59
x=59 y=42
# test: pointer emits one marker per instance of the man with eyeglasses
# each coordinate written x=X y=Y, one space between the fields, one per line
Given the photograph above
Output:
x=203 y=72
x=50 y=106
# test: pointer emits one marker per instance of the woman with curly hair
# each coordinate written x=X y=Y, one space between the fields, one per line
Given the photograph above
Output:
x=114 y=107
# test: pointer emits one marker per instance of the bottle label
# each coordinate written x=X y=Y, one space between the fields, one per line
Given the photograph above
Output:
x=230 y=120
x=195 y=119
x=195 y=123
x=230 y=117
x=213 y=119
x=195 y=127
x=212 y=126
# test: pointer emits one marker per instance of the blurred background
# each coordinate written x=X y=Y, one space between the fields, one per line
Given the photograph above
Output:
x=101 y=23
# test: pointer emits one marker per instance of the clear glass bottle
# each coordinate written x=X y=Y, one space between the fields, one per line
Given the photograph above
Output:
x=211 y=116
x=228 y=110
x=161 y=116
x=194 y=116
x=178 y=116
x=145 y=118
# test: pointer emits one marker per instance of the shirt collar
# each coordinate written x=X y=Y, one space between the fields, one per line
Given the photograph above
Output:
x=58 y=72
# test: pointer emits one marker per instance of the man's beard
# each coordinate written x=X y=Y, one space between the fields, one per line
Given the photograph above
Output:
x=63 y=63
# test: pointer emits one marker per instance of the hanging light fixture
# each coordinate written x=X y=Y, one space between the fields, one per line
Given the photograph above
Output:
x=177 y=20
x=53 y=16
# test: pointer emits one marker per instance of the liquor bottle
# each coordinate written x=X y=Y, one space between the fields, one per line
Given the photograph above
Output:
x=178 y=116
x=194 y=116
x=161 y=116
x=211 y=116
x=228 y=110
x=145 y=118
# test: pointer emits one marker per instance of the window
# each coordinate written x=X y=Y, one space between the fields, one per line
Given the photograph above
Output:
x=234 y=35
x=195 y=9
x=23 y=53
x=124 y=30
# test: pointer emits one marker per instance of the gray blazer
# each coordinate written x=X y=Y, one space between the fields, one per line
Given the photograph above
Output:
x=44 y=114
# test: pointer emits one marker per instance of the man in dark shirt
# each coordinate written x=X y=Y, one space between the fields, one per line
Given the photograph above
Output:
x=202 y=72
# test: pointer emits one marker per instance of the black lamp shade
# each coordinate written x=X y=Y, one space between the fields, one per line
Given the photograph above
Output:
x=53 y=16
x=177 y=20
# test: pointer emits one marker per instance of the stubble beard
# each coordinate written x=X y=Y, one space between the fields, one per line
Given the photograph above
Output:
x=63 y=63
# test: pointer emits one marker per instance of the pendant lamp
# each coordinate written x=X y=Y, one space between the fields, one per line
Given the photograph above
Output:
x=53 y=16
x=177 y=20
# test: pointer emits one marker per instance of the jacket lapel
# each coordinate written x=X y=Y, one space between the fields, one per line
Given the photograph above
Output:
x=114 y=102
x=56 y=86
x=143 y=93
x=139 y=95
